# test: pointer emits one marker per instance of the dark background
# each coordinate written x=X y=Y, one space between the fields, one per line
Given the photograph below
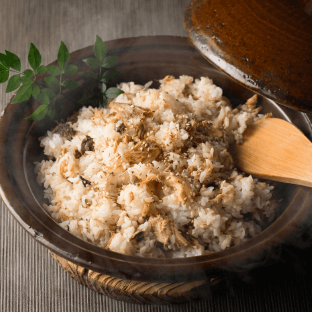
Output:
x=30 y=280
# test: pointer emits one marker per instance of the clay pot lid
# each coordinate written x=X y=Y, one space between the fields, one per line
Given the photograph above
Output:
x=265 y=45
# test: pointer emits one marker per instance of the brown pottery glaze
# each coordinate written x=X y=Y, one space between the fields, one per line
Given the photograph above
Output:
x=140 y=60
x=265 y=45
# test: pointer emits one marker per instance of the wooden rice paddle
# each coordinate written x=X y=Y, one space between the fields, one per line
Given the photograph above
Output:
x=277 y=150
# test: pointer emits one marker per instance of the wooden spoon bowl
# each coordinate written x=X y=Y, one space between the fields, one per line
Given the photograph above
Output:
x=277 y=150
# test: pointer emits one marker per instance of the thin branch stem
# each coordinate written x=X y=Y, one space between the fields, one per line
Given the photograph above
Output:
x=66 y=96
x=61 y=81
x=14 y=71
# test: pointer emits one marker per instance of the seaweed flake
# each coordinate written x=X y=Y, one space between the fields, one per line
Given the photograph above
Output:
x=87 y=145
x=85 y=182
x=65 y=130
x=159 y=245
x=77 y=154
x=119 y=126
x=139 y=236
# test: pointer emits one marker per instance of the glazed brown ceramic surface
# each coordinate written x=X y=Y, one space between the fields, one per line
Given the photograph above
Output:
x=140 y=60
x=265 y=45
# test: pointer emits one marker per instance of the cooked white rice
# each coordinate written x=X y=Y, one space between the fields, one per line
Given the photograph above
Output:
x=151 y=176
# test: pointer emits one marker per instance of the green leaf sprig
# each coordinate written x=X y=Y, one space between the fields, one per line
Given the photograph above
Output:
x=101 y=61
x=28 y=86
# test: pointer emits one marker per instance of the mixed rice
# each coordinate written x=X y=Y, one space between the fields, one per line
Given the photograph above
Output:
x=151 y=175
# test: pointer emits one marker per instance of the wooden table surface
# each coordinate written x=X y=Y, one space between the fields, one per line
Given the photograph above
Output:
x=30 y=280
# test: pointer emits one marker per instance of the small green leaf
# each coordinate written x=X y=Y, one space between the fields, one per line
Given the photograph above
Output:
x=51 y=81
x=4 y=74
x=46 y=96
x=70 y=70
x=13 y=60
x=34 y=57
x=51 y=113
x=111 y=93
x=110 y=75
x=35 y=91
x=92 y=62
x=90 y=74
x=28 y=73
x=63 y=55
x=23 y=93
x=51 y=95
x=26 y=80
x=4 y=60
x=13 y=83
x=39 y=113
x=84 y=98
x=70 y=84
x=43 y=98
x=100 y=49
x=53 y=70
x=59 y=105
x=104 y=103
x=102 y=87
x=110 y=61
x=41 y=70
